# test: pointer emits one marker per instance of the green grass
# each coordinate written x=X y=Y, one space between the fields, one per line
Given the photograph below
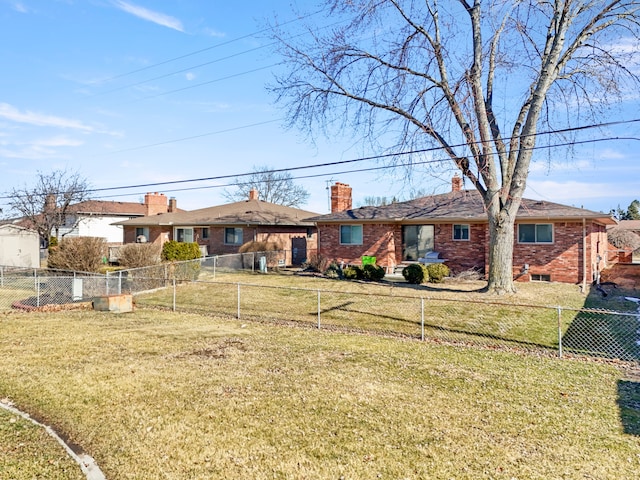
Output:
x=154 y=394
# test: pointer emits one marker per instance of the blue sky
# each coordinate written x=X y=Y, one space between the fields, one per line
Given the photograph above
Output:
x=139 y=92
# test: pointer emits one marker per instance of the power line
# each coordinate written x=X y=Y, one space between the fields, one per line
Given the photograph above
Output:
x=206 y=49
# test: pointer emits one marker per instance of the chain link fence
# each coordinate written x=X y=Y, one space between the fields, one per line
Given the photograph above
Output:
x=556 y=330
x=197 y=286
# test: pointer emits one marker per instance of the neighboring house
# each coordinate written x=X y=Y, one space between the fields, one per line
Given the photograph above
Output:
x=625 y=242
x=19 y=247
x=552 y=242
x=225 y=228
x=97 y=218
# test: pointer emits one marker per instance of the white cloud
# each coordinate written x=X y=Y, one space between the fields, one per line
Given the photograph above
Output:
x=149 y=15
x=20 y=7
x=190 y=76
x=214 y=33
x=41 y=120
x=572 y=191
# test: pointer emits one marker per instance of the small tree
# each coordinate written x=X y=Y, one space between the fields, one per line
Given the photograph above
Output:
x=272 y=186
x=46 y=205
x=81 y=254
x=134 y=255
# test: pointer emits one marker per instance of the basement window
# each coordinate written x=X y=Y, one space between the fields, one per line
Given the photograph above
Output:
x=540 y=277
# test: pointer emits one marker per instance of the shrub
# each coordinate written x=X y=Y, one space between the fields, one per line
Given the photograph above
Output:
x=334 y=271
x=373 y=272
x=415 y=273
x=437 y=272
x=317 y=263
x=83 y=254
x=134 y=255
x=174 y=251
x=353 y=272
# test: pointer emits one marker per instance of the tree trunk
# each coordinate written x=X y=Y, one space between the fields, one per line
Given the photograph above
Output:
x=501 y=235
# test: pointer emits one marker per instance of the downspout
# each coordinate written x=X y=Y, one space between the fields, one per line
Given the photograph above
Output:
x=584 y=255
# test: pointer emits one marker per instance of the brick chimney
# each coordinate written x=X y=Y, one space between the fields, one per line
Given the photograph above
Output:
x=173 y=205
x=156 y=203
x=253 y=194
x=340 y=197
x=456 y=183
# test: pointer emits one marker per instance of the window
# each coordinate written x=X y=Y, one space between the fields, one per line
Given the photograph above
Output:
x=351 y=234
x=205 y=232
x=535 y=233
x=461 y=232
x=142 y=234
x=540 y=277
x=233 y=236
x=184 y=235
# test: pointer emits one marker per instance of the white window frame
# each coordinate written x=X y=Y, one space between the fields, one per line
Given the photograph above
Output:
x=235 y=234
x=184 y=229
x=145 y=233
x=536 y=241
x=358 y=241
x=468 y=230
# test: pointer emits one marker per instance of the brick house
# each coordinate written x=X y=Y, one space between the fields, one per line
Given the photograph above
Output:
x=223 y=229
x=553 y=242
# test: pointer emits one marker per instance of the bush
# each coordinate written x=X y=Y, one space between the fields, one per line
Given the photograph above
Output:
x=317 y=263
x=134 y=255
x=334 y=271
x=437 y=272
x=415 y=273
x=353 y=272
x=174 y=251
x=82 y=254
x=373 y=272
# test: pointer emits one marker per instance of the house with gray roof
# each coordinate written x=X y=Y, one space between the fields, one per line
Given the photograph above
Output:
x=553 y=242
x=223 y=229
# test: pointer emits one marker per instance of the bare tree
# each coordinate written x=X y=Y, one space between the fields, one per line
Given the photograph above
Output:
x=45 y=205
x=272 y=186
x=474 y=78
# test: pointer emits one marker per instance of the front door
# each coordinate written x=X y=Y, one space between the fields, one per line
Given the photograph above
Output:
x=417 y=241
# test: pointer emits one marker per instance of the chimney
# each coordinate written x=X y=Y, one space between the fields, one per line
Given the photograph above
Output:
x=156 y=203
x=456 y=183
x=253 y=194
x=173 y=205
x=340 y=197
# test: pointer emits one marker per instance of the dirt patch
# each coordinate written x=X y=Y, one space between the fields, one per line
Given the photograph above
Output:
x=626 y=276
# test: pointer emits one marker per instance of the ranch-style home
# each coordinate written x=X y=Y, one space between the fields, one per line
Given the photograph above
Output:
x=223 y=229
x=553 y=242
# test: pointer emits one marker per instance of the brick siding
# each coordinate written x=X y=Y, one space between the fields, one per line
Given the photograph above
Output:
x=562 y=260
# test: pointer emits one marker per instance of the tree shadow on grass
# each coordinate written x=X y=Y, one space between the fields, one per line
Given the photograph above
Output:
x=629 y=405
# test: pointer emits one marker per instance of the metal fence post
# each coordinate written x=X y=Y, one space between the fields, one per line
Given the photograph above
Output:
x=215 y=261
x=119 y=282
x=318 y=309
x=37 y=293
x=1 y=276
x=422 y=318
x=174 y=294
x=560 y=331
x=238 y=300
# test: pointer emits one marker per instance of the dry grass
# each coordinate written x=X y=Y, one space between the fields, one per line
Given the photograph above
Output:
x=181 y=396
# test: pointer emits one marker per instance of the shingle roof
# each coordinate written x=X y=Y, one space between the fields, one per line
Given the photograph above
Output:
x=463 y=205
x=246 y=212
x=108 y=207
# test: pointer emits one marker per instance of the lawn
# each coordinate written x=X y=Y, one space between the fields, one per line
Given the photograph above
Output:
x=153 y=394
x=456 y=312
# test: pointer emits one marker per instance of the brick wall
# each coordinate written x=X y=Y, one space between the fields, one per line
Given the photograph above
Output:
x=156 y=203
x=378 y=240
x=562 y=260
x=340 y=197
